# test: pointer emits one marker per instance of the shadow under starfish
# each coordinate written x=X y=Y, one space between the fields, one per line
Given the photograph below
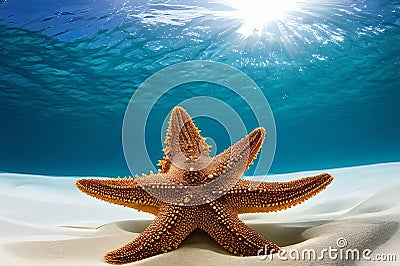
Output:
x=194 y=191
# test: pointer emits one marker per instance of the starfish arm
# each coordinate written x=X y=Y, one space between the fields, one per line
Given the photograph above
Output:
x=248 y=197
x=164 y=234
x=233 y=234
x=235 y=160
x=122 y=191
x=183 y=140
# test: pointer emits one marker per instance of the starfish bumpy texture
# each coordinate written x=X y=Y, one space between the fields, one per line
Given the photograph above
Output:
x=193 y=190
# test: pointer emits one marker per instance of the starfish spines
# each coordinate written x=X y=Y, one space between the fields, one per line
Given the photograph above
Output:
x=275 y=196
x=154 y=241
x=236 y=158
x=234 y=235
x=124 y=192
x=183 y=137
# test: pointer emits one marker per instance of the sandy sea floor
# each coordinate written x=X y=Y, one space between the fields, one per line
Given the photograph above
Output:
x=47 y=221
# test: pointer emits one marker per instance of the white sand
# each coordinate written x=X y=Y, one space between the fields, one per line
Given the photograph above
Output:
x=47 y=221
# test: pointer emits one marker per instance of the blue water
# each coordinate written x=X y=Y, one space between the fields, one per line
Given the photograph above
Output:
x=330 y=71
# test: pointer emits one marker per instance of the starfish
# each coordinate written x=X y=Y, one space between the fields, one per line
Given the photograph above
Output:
x=195 y=191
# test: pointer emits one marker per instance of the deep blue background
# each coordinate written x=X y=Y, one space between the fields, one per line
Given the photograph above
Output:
x=69 y=68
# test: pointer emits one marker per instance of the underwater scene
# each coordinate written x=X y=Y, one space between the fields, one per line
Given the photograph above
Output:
x=329 y=70
x=114 y=88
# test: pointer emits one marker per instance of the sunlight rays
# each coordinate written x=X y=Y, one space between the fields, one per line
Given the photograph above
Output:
x=256 y=14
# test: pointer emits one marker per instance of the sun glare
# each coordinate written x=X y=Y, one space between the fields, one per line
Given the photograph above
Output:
x=256 y=14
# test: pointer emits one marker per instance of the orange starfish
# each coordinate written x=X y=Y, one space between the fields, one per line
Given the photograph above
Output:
x=193 y=190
